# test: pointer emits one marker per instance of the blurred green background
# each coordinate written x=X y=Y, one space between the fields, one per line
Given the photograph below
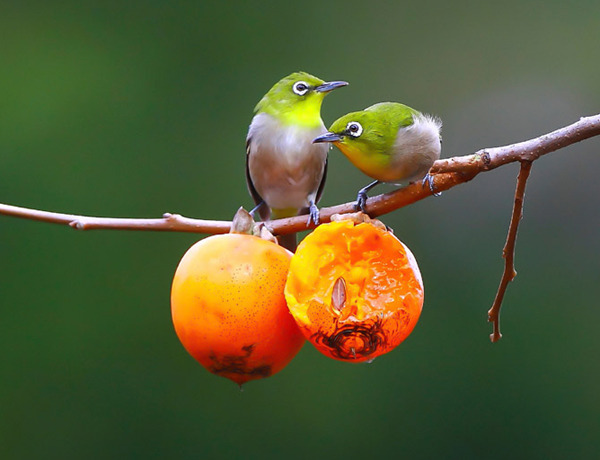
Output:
x=132 y=109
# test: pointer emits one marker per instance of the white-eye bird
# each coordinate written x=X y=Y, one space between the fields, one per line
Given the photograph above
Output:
x=389 y=142
x=285 y=171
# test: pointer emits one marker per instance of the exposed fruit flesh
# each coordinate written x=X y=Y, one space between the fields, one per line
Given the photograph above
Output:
x=355 y=290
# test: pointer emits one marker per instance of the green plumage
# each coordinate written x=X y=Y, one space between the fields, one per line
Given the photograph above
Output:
x=380 y=123
x=281 y=96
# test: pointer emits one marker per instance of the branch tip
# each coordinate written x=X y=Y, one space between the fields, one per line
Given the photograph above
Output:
x=495 y=337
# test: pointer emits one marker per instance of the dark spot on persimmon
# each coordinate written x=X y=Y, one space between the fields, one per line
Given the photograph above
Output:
x=352 y=341
x=238 y=364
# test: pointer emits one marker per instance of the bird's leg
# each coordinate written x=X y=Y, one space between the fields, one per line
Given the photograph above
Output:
x=313 y=213
x=256 y=208
x=361 y=198
x=428 y=179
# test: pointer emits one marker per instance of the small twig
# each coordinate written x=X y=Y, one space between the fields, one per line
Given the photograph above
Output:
x=509 y=250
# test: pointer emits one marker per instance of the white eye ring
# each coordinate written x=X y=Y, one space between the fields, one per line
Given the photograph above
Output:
x=354 y=128
x=300 y=88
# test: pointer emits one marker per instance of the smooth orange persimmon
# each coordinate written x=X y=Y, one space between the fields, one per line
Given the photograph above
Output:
x=355 y=290
x=229 y=310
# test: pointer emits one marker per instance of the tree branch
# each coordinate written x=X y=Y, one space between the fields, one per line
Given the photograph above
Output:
x=446 y=173
x=168 y=223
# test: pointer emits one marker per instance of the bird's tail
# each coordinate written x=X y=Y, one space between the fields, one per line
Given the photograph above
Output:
x=289 y=241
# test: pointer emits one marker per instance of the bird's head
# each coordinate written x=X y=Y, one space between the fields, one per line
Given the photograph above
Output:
x=297 y=98
x=367 y=137
x=361 y=133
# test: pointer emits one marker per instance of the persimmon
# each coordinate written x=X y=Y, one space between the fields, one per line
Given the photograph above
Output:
x=229 y=310
x=354 y=289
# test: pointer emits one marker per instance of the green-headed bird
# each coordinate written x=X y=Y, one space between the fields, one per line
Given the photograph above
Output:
x=389 y=142
x=285 y=171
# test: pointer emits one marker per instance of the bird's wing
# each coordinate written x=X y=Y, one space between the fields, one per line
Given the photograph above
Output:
x=322 y=184
x=263 y=209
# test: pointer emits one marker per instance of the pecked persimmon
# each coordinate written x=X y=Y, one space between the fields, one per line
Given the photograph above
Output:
x=229 y=310
x=354 y=289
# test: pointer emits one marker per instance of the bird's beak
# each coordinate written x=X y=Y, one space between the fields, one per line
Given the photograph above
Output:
x=328 y=137
x=330 y=85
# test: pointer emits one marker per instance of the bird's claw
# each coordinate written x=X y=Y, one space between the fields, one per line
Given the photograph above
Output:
x=313 y=214
x=428 y=179
x=361 y=201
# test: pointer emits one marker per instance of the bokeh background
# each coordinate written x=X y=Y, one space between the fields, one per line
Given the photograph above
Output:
x=132 y=109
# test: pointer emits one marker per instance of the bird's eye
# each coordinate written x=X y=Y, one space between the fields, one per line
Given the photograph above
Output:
x=300 y=88
x=354 y=128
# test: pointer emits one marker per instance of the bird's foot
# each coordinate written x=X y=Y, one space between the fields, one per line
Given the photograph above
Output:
x=361 y=201
x=313 y=214
x=428 y=180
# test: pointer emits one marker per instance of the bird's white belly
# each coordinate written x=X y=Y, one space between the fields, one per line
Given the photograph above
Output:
x=286 y=168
